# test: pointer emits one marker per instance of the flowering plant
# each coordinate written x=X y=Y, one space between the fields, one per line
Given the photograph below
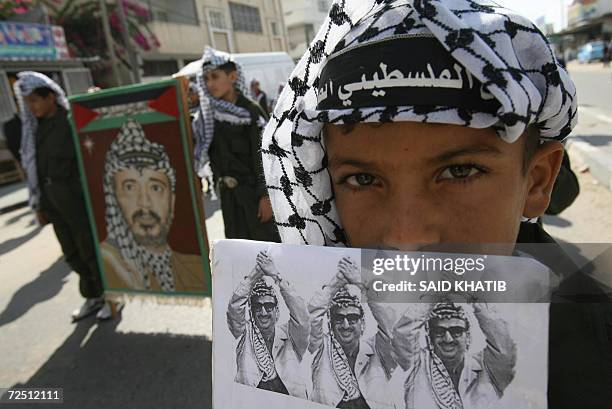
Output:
x=83 y=26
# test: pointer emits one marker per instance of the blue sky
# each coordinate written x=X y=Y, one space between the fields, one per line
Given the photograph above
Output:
x=534 y=9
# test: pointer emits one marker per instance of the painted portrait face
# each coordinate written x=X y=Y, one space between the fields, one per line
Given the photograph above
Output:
x=147 y=203
x=265 y=313
x=449 y=338
x=219 y=83
x=347 y=324
x=406 y=185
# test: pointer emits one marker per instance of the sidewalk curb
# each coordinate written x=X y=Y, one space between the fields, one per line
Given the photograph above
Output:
x=600 y=164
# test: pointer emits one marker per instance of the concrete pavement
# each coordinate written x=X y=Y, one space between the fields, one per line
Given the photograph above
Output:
x=153 y=356
x=13 y=196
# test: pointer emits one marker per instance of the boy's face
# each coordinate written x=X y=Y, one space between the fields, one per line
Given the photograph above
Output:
x=41 y=107
x=405 y=185
x=220 y=84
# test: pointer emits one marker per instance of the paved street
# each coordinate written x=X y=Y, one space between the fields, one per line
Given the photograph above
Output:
x=158 y=355
x=593 y=135
x=153 y=356
x=589 y=219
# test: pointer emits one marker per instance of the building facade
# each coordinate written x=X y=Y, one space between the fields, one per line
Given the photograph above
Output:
x=587 y=20
x=185 y=27
x=303 y=18
x=583 y=11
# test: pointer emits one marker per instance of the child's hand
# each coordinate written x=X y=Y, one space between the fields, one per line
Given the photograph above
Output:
x=264 y=214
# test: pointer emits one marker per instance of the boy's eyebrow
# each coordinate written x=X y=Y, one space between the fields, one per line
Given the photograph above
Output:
x=466 y=150
x=340 y=160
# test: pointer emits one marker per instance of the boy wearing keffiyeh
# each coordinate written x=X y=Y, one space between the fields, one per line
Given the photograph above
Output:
x=228 y=130
x=49 y=159
x=412 y=123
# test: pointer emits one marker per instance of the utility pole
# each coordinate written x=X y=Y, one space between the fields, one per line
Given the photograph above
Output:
x=109 y=42
x=133 y=59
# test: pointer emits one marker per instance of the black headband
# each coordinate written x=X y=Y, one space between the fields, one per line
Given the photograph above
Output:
x=400 y=71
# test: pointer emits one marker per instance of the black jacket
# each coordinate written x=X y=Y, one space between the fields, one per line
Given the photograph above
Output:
x=56 y=160
x=235 y=150
x=580 y=331
x=12 y=132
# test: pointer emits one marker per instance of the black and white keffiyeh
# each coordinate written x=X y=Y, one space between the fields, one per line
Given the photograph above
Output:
x=263 y=356
x=444 y=392
x=29 y=81
x=212 y=108
x=459 y=62
x=132 y=150
x=341 y=368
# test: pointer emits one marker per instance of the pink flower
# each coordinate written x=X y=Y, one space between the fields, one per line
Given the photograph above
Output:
x=20 y=10
x=141 y=41
x=114 y=21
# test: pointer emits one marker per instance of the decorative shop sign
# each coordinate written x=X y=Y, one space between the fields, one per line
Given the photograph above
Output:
x=32 y=41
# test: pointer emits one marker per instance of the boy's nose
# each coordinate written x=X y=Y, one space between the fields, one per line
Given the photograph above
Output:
x=410 y=223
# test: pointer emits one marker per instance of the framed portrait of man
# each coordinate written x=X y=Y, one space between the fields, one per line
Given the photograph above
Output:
x=135 y=155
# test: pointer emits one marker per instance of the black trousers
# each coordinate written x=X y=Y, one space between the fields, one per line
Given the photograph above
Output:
x=239 y=207
x=64 y=205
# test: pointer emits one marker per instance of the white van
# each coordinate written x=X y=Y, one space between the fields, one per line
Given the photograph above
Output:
x=270 y=69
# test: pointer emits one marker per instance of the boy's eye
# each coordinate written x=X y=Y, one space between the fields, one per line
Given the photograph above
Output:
x=460 y=172
x=361 y=179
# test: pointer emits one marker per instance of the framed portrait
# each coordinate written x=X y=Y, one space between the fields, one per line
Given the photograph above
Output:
x=135 y=151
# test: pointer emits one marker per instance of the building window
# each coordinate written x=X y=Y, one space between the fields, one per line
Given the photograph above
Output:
x=274 y=28
x=174 y=11
x=245 y=18
x=159 y=68
x=217 y=20
x=323 y=5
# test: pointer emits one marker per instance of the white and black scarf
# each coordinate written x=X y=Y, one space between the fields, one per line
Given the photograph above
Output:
x=503 y=64
x=131 y=149
x=444 y=392
x=263 y=356
x=341 y=367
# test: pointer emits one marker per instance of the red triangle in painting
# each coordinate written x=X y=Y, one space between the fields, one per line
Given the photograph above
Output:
x=82 y=115
x=166 y=103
